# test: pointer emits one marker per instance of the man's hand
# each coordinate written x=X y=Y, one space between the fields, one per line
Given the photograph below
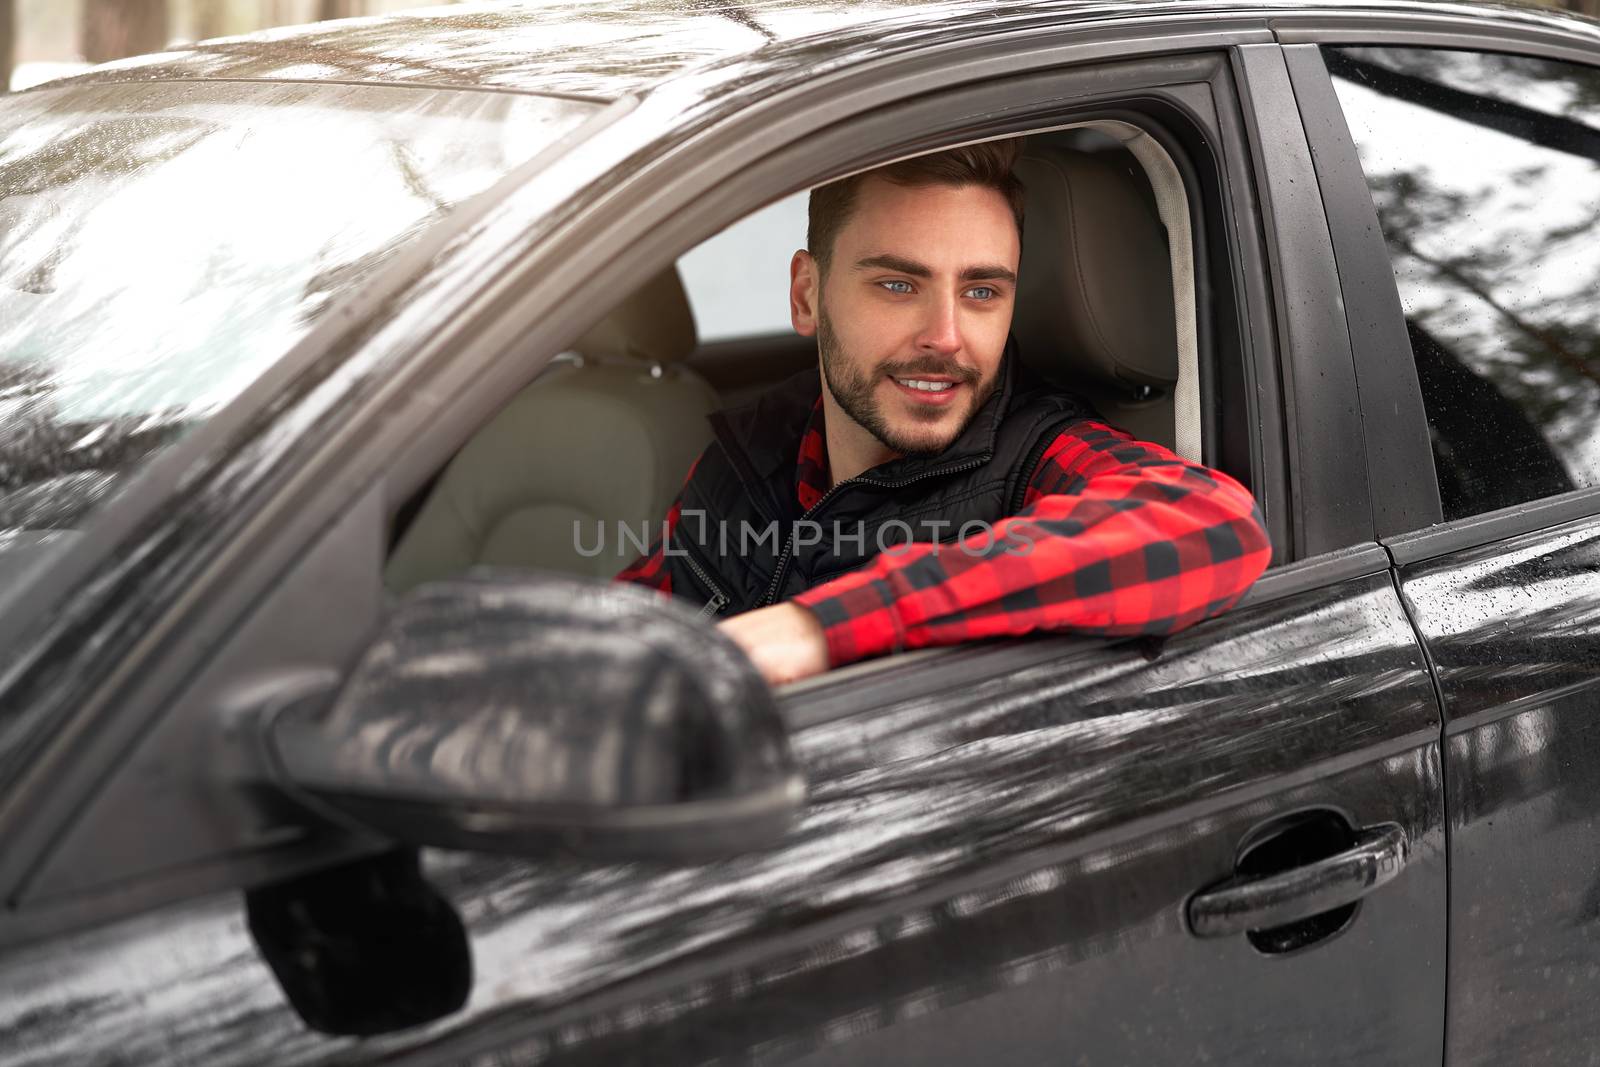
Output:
x=784 y=641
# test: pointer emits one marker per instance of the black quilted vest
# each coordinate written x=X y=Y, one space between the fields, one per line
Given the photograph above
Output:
x=741 y=541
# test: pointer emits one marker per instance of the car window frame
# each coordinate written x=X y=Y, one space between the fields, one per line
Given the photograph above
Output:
x=1413 y=531
x=1341 y=540
x=1405 y=493
x=1328 y=493
x=681 y=232
x=674 y=234
x=1324 y=547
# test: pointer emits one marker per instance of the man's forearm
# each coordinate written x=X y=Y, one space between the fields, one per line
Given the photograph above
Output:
x=1148 y=543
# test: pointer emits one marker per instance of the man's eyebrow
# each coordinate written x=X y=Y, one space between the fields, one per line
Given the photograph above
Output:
x=989 y=273
x=895 y=263
x=986 y=272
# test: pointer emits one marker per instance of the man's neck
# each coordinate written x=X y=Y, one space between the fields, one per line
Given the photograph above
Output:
x=851 y=449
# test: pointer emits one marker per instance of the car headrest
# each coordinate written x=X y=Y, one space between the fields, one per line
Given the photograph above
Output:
x=653 y=323
x=1094 y=294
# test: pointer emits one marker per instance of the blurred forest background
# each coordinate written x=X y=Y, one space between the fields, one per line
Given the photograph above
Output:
x=43 y=39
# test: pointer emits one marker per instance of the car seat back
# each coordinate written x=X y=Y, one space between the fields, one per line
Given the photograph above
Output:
x=1095 y=306
x=600 y=442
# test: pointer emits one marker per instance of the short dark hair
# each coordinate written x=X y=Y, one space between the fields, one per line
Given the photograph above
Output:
x=987 y=164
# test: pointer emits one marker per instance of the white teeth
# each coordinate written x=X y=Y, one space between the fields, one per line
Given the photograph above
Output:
x=926 y=387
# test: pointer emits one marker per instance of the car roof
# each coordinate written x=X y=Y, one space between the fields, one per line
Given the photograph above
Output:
x=603 y=51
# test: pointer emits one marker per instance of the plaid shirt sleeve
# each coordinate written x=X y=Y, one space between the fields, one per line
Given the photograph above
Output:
x=1115 y=537
x=647 y=570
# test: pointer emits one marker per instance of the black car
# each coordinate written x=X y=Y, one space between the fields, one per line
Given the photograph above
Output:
x=317 y=746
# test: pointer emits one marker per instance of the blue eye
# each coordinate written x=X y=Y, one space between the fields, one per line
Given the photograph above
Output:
x=904 y=287
x=982 y=292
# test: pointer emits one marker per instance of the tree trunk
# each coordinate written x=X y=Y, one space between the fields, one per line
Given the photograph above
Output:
x=210 y=19
x=112 y=29
x=8 y=43
x=337 y=9
x=274 y=13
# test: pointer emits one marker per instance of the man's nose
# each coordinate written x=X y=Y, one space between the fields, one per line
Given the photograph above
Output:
x=941 y=330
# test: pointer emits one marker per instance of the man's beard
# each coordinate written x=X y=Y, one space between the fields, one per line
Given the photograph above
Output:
x=855 y=392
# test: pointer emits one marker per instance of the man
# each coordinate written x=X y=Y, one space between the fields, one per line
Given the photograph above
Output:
x=921 y=489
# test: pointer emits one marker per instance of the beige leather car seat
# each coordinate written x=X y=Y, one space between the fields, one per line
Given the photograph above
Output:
x=1095 y=308
x=602 y=439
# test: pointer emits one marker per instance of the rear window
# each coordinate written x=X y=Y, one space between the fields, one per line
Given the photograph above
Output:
x=738 y=281
x=162 y=245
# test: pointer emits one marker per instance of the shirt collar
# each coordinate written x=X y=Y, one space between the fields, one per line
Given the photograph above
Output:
x=811 y=477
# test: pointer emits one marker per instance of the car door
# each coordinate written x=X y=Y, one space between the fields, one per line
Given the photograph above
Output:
x=1481 y=161
x=1227 y=845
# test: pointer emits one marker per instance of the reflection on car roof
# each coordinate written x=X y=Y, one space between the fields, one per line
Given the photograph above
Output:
x=603 y=51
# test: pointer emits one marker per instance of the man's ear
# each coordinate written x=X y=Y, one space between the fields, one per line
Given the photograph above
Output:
x=805 y=285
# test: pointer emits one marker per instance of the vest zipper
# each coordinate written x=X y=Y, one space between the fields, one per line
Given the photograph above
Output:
x=1031 y=460
x=782 y=568
x=719 y=599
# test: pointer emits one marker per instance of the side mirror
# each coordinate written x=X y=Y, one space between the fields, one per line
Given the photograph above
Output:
x=513 y=712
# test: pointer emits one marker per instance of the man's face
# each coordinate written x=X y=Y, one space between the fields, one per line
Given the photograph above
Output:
x=912 y=317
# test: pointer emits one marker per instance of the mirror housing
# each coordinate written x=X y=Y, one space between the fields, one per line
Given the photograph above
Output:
x=516 y=712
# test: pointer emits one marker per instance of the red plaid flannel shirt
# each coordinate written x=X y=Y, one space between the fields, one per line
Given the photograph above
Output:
x=1127 y=538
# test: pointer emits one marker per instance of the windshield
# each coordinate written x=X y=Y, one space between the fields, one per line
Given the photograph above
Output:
x=162 y=244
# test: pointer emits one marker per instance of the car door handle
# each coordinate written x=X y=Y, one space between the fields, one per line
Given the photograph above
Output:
x=1248 y=903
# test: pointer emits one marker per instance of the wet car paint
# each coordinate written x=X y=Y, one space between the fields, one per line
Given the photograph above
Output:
x=1513 y=629
x=116 y=976
x=607 y=50
x=998 y=866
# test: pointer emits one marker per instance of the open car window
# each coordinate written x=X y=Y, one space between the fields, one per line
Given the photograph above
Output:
x=616 y=424
x=161 y=246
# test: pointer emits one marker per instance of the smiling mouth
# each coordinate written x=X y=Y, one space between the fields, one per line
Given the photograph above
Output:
x=926 y=385
x=927 y=393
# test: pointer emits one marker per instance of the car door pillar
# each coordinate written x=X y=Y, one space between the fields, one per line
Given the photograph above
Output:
x=1328 y=484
